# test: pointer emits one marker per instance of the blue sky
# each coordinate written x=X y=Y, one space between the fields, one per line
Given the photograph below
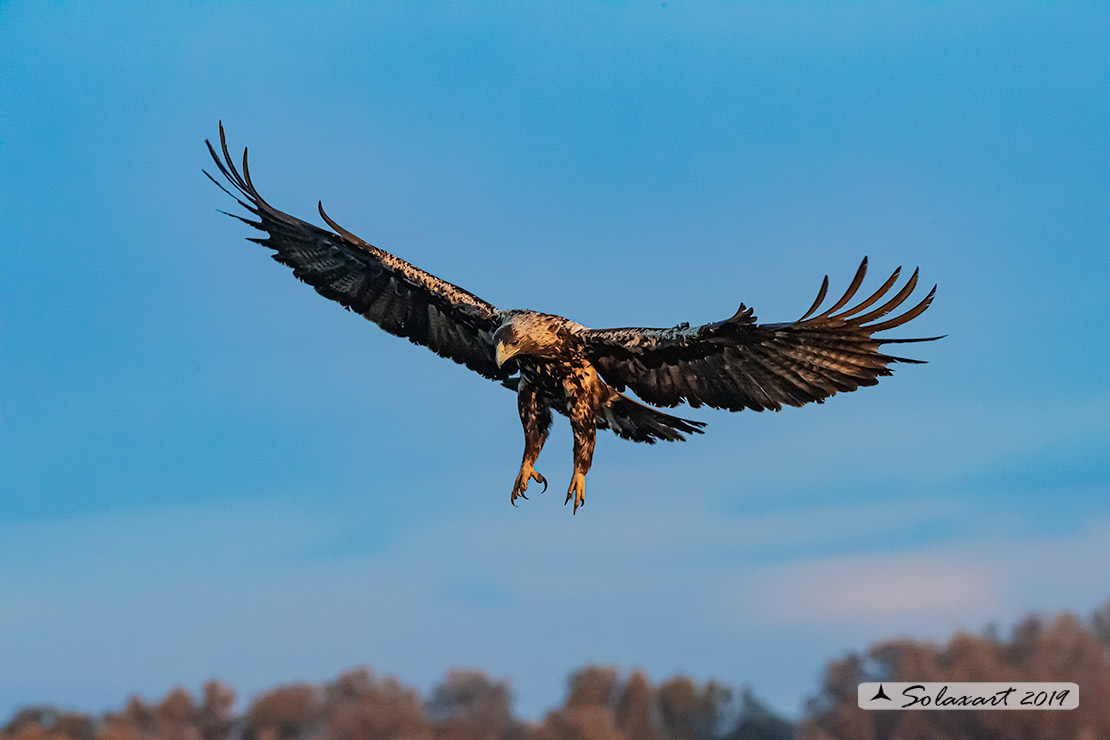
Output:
x=208 y=470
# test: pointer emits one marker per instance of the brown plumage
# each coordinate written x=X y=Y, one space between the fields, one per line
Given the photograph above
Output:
x=737 y=363
x=555 y=363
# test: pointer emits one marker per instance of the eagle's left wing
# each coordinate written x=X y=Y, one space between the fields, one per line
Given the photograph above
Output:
x=397 y=296
x=737 y=363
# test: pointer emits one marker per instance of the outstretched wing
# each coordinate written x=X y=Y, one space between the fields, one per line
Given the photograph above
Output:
x=397 y=296
x=737 y=363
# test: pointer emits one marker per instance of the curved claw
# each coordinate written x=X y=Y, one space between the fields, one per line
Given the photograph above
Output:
x=521 y=484
x=577 y=491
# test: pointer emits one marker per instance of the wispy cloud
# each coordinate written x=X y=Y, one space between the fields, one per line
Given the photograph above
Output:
x=884 y=589
x=964 y=582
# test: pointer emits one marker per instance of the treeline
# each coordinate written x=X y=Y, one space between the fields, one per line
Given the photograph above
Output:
x=467 y=706
x=601 y=704
x=1062 y=648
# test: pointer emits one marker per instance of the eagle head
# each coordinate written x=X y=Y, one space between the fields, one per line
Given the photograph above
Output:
x=530 y=334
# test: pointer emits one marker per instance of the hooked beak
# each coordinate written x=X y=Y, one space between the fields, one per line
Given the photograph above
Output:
x=504 y=353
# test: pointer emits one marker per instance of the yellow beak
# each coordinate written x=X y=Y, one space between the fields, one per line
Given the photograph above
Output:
x=504 y=353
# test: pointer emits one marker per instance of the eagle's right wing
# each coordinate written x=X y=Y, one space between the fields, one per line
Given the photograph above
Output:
x=397 y=296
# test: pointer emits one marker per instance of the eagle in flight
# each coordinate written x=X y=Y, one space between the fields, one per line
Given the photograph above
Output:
x=555 y=363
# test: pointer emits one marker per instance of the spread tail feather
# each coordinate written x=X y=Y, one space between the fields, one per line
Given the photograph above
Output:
x=630 y=419
x=633 y=420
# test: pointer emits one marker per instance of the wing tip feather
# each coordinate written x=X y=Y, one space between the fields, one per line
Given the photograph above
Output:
x=338 y=229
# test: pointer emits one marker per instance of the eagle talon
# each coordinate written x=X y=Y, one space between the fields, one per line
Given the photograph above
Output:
x=526 y=474
x=577 y=491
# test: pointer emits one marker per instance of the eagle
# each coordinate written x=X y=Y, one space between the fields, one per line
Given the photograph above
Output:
x=554 y=363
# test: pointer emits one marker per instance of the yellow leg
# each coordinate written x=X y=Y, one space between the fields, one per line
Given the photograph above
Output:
x=577 y=490
x=527 y=473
